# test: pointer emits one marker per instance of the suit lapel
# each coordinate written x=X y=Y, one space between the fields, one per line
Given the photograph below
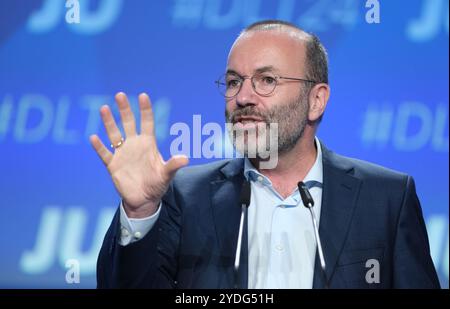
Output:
x=225 y=194
x=340 y=193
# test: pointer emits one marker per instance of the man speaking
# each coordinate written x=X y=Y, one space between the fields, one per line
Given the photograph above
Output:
x=362 y=226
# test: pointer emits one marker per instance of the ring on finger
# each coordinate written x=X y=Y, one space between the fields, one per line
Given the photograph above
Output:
x=118 y=144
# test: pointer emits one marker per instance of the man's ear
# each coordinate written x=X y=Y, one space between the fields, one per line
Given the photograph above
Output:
x=318 y=98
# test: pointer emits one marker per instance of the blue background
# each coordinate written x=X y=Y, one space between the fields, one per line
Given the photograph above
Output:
x=389 y=105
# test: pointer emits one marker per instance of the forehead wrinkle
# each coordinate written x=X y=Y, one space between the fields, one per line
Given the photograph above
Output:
x=266 y=68
x=299 y=36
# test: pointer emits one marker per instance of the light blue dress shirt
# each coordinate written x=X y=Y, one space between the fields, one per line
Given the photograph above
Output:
x=281 y=244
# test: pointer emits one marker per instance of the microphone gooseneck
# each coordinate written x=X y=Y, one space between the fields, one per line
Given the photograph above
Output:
x=308 y=202
x=244 y=203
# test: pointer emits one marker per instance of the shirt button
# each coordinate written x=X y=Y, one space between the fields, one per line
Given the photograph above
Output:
x=125 y=232
x=279 y=247
x=137 y=235
x=260 y=179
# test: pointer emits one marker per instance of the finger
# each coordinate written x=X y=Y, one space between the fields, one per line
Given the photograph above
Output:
x=126 y=114
x=174 y=164
x=147 y=124
x=103 y=152
x=112 y=130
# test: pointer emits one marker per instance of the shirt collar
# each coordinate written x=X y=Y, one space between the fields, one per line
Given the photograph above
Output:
x=313 y=178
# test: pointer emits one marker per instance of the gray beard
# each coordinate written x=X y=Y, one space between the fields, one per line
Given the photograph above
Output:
x=291 y=119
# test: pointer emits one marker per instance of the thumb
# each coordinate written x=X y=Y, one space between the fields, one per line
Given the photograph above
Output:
x=175 y=163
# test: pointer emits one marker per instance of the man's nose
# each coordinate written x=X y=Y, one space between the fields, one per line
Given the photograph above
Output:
x=247 y=95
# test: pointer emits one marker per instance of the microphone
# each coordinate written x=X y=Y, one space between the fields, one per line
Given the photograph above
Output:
x=308 y=202
x=244 y=202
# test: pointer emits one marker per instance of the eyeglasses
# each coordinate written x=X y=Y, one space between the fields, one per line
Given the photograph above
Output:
x=264 y=84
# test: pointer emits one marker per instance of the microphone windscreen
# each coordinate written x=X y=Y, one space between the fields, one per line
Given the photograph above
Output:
x=306 y=196
x=245 y=194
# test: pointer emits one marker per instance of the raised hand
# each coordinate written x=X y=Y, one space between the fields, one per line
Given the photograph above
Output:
x=138 y=171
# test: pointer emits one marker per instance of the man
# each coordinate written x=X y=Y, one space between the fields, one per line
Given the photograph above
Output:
x=180 y=231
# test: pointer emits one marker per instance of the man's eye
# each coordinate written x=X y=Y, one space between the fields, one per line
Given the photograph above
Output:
x=233 y=83
x=268 y=80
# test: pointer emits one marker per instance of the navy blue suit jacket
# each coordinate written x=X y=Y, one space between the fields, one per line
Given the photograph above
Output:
x=368 y=212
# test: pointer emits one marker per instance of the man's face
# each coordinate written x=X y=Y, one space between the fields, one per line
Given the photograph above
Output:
x=276 y=53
